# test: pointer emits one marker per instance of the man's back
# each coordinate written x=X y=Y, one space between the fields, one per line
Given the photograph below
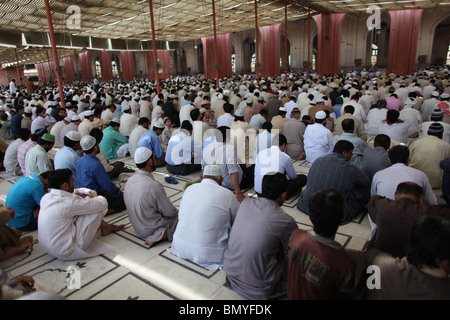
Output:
x=385 y=182
x=318 y=142
x=319 y=268
x=207 y=212
x=253 y=260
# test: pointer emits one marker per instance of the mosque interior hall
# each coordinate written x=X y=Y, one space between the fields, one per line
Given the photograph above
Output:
x=58 y=46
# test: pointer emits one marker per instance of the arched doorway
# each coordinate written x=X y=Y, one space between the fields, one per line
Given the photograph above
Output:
x=377 y=46
x=283 y=54
x=441 y=43
x=248 y=55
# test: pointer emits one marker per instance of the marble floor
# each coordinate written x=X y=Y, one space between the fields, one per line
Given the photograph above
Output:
x=135 y=272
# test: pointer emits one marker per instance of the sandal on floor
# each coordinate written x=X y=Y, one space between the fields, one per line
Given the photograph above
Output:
x=171 y=180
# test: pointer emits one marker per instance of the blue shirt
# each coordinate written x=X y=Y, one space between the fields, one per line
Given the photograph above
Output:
x=66 y=158
x=337 y=110
x=16 y=122
x=91 y=174
x=111 y=142
x=151 y=140
x=23 y=197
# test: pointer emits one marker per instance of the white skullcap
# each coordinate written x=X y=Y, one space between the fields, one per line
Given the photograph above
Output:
x=435 y=94
x=75 y=118
x=249 y=100
x=160 y=124
x=67 y=119
x=116 y=120
x=28 y=110
x=283 y=109
x=212 y=170
x=74 y=135
x=320 y=115
x=445 y=95
x=126 y=107
x=88 y=113
x=239 y=113
x=88 y=142
x=203 y=110
x=220 y=96
x=142 y=154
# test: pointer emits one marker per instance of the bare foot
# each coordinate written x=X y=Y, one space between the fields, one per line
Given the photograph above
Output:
x=110 y=211
x=152 y=243
x=107 y=228
x=24 y=245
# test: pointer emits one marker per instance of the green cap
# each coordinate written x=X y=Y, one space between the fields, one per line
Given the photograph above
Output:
x=48 y=137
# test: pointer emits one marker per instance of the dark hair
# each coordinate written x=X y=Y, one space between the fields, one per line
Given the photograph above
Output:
x=224 y=134
x=187 y=125
x=143 y=120
x=392 y=116
x=195 y=113
x=410 y=188
x=228 y=107
x=398 y=154
x=429 y=240
x=279 y=140
x=326 y=211
x=58 y=177
x=46 y=174
x=97 y=134
x=273 y=185
x=348 y=124
x=382 y=140
x=349 y=109
x=39 y=109
x=382 y=103
x=263 y=112
x=267 y=126
x=343 y=145
x=23 y=133
x=69 y=143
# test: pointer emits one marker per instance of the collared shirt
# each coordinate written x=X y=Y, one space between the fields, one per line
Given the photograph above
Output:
x=111 y=142
x=204 y=225
x=23 y=197
x=92 y=175
x=66 y=158
x=385 y=182
x=37 y=161
x=181 y=149
x=257 y=121
x=151 y=140
x=318 y=142
x=272 y=160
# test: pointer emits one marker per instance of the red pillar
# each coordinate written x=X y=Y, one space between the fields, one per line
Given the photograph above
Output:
x=216 y=52
x=270 y=48
x=286 y=56
x=403 y=38
x=329 y=39
x=155 y=56
x=55 y=53
x=256 y=43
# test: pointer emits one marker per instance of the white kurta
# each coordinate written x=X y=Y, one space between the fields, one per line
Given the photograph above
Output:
x=318 y=142
x=68 y=224
x=207 y=212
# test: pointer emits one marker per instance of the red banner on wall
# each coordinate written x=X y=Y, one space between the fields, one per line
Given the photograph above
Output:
x=86 y=69
x=270 y=39
x=403 y=37
x=223 y=61
x=163 y=64
x=127 y=59
x=329 y=42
